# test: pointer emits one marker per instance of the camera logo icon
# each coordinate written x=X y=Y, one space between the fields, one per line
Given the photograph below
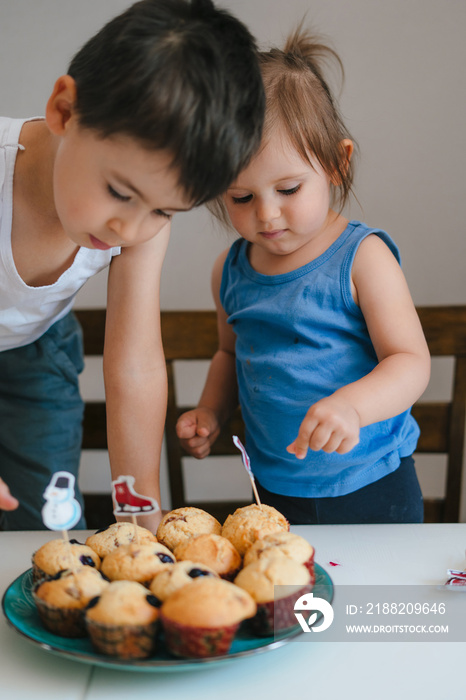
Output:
x=307 y=603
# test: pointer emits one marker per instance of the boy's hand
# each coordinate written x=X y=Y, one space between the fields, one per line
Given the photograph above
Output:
x=332 y=425
x=197 y=430
x=7 y=501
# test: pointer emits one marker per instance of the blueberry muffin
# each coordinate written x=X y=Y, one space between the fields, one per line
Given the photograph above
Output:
x=250 y=523
x=174 y=577
x=201 y=620
x=181 y=524
x=117 y=534
x=137 y=562
x=275 y=584
x=214 y=551
x=61 y=600
x=56 y=555
x=282 y=544
x=123 y=621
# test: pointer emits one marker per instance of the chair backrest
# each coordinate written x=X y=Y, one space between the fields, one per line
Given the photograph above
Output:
x=98 y=507
x=442 y=423
x=192 y=335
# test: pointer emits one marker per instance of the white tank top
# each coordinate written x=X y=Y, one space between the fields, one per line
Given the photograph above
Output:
x=26 y=312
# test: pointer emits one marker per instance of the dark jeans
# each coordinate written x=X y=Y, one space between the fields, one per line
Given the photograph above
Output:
x=41 y=414
x=396 y=498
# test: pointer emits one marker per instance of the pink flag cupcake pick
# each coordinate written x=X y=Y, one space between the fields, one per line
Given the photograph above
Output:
x=247 y=466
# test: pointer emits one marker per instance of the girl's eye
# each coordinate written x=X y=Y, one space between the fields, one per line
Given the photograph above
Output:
x=242 y=200
x=292 y=190
x=117 y=195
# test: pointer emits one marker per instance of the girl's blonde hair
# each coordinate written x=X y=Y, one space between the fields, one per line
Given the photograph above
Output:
x=299 y=100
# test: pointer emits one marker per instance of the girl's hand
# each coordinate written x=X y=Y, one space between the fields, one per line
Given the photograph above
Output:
x=197 y=430
x=332 y=425
x=7 y=501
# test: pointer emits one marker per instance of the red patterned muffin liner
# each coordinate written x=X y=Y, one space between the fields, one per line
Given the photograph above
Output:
x=276 y=615
x=309 y=564
x=66 y=622
x=124 y=641
x=197 y=642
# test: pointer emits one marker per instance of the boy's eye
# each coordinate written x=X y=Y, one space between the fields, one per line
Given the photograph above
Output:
x=242 y=200
x=159 y=212
x=292 y=190
x=117 y=195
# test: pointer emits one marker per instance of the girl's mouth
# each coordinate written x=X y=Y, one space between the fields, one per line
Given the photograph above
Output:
x=271 y=235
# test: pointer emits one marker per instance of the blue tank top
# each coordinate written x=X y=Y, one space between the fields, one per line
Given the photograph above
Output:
x=299 y=337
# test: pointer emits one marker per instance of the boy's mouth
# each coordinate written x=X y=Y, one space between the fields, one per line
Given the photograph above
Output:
x=97 y=243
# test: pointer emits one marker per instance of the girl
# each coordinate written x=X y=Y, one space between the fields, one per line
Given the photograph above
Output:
x=318 y=331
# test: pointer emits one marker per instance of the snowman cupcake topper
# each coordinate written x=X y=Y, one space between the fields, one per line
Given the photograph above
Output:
x=61 y=510
x=247 y=466
x=127 y=501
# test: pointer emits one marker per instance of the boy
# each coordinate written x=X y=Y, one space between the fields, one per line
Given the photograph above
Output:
x=158 y=113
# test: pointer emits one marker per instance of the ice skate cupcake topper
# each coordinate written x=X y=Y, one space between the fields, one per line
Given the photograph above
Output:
x=127 y=501
x=247 y=466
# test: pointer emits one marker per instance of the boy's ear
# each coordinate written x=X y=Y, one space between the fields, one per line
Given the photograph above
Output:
x=60 y=105
x=347 y=148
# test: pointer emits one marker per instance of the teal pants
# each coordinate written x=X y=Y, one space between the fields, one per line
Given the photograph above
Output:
x=41 y=413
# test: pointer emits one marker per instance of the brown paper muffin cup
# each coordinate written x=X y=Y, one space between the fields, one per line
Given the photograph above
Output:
x=66 y=622
x=276 y=615
x=197 y=642
x=124 y=641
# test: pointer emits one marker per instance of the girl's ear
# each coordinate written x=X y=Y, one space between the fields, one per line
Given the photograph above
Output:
x=346 y=148
x=60 y=105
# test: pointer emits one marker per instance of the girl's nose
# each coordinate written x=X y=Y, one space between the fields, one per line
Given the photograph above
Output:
x=267 y=209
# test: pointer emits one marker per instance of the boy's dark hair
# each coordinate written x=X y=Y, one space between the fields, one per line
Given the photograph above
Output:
x=180 y=76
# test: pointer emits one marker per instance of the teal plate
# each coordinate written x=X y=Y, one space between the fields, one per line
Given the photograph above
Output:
x=20 y=611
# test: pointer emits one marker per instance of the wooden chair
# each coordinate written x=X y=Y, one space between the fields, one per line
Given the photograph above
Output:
x=192 y=335
x=443 y=423
x=98 y=507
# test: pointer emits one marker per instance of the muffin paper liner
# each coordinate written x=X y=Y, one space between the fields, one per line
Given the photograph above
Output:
x=124 y=641
x=276 y=615
x=197 y=642
x=66 y=622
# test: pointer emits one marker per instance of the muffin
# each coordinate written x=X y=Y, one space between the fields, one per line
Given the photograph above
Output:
x=117 y=534
x=201 y=620
x=212 y=550
x=61 y=601
x=56 y=555
x=275 y=584
x=137 y=562
x=174 y=577
x=180 y=524
x=283 y=544
x=123 y=621
x=250 y=523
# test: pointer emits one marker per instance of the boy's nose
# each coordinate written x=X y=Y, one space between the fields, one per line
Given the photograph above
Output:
x=126 y=231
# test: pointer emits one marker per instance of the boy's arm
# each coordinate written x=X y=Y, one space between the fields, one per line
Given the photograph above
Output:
x=198 y=429
x=134 y=367
x=403 y=371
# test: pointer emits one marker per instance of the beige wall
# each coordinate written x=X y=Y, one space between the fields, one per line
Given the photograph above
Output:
x=403 y=100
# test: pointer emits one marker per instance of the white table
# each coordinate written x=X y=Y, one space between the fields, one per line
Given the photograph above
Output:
x=376 y=554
